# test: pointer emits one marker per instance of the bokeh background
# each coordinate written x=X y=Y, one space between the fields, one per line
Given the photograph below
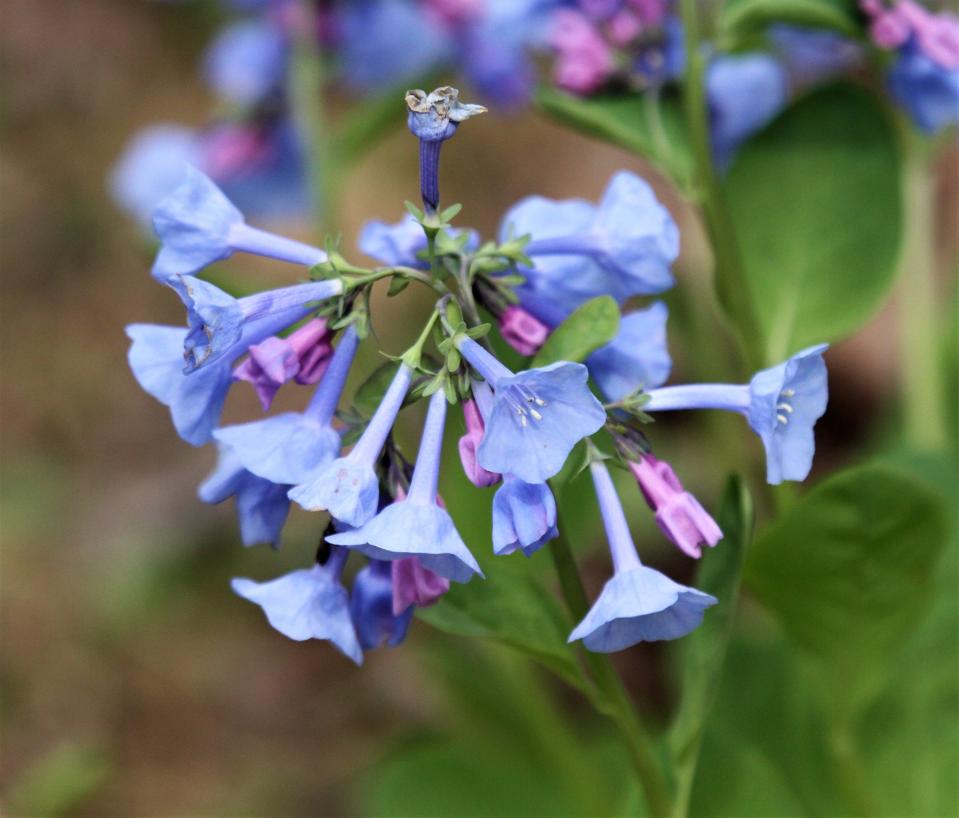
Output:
x=133 y=681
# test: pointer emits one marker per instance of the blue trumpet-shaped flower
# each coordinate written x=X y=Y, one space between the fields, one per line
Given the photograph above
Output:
x=371 y=606
x=927 y=90
x=623 y=246
x=524 y=517
x=247 y=61
x=291 y=447
x=348 y=487
x=417 y=526
x=637 y=357
x=217 y=320
x=308 y=604
x=782 y=405
x=537 y=416
x=261 y=506
x=198 y=225
x=639 y=604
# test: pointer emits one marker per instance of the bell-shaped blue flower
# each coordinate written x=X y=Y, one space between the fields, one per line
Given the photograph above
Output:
x=308 y=604
x=744 y=92
x=623 y=246
x=371 y=606
x=417 y=526
x=195 y=400
x=782 y=405
x=638 y=357
x=217 y=320
x=290 y=448
x=198 y=225
x=247 y=61
x=928 y=91
x=261 y=506
x=639 y=604
x=524 y=517
x=348 y=487
x=537 y=416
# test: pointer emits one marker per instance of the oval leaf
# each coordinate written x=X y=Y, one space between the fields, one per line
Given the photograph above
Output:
x=591 y=326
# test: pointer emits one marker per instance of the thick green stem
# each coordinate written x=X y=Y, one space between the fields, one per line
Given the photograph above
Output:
x=613 y=696
x=731 y=283
x=920 y=311
x=307 y=81
x=850 y=777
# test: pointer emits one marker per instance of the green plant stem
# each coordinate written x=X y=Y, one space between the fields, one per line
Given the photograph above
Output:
x=920 y=362
x=307 y=83
x=613 y=696
x=731 y=283
x=850 y=776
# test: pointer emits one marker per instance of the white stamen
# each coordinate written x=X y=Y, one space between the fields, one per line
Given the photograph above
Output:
x=536 y=415
x=782 y=419
x=785 y=407
x=788 y=393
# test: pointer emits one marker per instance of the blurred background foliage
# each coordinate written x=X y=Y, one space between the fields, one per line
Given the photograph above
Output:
x=134 y=683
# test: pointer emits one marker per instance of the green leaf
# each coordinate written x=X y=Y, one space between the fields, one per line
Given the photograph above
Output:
x=61 y=782
x=511 y=607
x=592 y=325
x=740 y=20
x=704 y=650
x=847 y=573
x=370 y=393
x=815 y=202
x=644 y=123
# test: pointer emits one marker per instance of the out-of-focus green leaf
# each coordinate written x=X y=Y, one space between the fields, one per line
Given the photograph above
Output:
x=847 y=572
x=591 y=326
x=369 y=394
x=740 y=19
x=815 y=202
x=645 y=123
x=704 y=650
x=60 y=782
x=511 y=607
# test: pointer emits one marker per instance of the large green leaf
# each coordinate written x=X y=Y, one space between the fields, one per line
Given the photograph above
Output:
x=740 y=19
x=847 y=573
x=645 y=123
x=815 y=202
x=704 y=650
x=591 y=326
x=512 y=607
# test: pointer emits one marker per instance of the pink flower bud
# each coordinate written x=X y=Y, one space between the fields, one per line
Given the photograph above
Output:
x=469 y=443
x=624 y=27
x=678 y=514
x=522 y=331
x=414 y=584
x=584 y=60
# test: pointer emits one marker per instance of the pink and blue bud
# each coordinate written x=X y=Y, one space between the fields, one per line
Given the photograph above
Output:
x=781 y=404
x=680 y=517
x=302 y=356
x=639 y=604
x=536 y=417
x=417 y=526
x=469 y=443
x=308 y=604
x=522 y=330
x=348 y=487
x=415 y=584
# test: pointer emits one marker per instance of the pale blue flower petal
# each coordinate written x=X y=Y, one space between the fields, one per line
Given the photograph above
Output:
x=928 y=92
x=247 y=61
x=524 y=517
x=371 y=606
x=350 y=491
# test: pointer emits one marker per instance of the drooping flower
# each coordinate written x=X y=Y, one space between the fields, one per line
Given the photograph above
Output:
x=812 y=55
x=348 y=487
x=218 y=321
x=679 y=515
x=261 y=506
x=308 y=604
x=415 y=584
x=639 y=604
x=782 y=404
x=928 y=92
x=302 y=356
x=290 y=448
x=524 y=517
x=622 y=247
x=637 y=357
x=468 y=445
x=371 y=606
x=247 y=61
x=418 y=526
x=745 y=92
x=198 y=225
x=522 y=330
x=536 y=417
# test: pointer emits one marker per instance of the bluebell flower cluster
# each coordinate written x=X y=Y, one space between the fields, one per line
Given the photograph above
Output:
x=389 y=544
